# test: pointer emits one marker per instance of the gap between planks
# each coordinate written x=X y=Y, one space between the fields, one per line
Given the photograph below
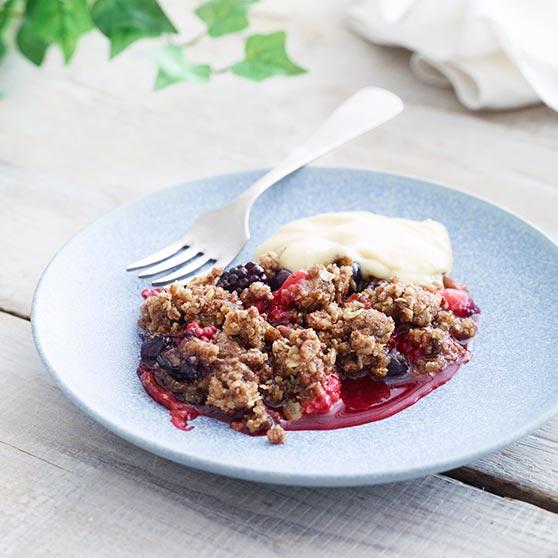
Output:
x=15 y=313
x=466 y=475
x=502 y=487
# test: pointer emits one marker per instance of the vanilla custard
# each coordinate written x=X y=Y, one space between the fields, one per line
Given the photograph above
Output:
x=418 y=251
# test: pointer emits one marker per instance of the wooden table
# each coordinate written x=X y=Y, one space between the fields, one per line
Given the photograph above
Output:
x=76 y=142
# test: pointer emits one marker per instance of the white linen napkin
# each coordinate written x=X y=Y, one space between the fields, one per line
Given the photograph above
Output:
x=497 y=54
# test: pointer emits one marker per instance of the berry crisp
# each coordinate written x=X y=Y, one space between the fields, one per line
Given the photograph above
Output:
x=267 y=349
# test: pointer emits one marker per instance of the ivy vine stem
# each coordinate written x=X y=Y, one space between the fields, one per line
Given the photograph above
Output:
x=222 y=70
x=194 y=40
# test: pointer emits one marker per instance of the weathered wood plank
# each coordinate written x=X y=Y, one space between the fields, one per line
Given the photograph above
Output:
x=69 y=487
x=105 y=138
x=527 y=470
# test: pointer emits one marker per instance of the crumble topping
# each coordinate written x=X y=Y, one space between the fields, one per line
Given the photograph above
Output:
x=274 y=345
x=405 y=302
x=169 y=310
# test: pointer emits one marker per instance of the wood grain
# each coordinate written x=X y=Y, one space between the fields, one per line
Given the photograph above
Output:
x=68 y=487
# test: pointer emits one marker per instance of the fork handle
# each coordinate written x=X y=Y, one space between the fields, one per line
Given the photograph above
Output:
x=365 y=110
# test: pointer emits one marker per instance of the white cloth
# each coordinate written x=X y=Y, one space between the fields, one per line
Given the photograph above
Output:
x=497 y=54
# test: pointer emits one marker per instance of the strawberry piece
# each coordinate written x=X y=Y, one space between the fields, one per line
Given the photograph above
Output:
x=285 y=295
x=329 y=394
x=279 y=315
x=294 y=279
x=280 y=308
x=459 y=302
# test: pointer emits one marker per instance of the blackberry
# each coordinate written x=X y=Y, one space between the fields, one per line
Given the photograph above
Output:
x=238 y=278
x=152 y=346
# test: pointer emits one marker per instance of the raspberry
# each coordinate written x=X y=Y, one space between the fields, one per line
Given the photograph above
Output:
x=459 y=302
x=329 y=394
x=146 y=293
x=207 y=333
x=242 y=276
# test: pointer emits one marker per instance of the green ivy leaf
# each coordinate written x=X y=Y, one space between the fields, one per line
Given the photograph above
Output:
x=30 y=45
x=224 y=16
x=126 y=21
x=265 y=56
x=173 y=67
x=47 y=22
x=6 y=14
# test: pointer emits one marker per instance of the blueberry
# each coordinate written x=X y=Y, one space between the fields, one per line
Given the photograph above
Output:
x=360 y=282
x=280 y=277
x=398 y=364
x=357 y=273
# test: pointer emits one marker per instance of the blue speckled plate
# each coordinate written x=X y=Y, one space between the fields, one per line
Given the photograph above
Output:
x=86 y=307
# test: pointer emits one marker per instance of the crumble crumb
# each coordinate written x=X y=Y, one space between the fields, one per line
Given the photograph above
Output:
x=358 y=336
x=460 y=328
x=255 y=294
x=270 y=263
x=247 y=325
x=276 y=435
x=232 y=390
x=206 y=353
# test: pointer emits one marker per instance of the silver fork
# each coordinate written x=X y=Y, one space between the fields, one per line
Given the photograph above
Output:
x=219 y=235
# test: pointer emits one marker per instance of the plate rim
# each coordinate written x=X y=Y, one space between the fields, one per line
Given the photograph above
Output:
x=273 y=477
